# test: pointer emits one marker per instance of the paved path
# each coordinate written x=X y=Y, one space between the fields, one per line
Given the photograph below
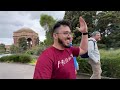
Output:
x=23 y=71
x=20 y=71
x=81 y=76
x=16 y=71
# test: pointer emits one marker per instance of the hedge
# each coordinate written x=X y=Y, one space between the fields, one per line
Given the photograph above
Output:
x=110 y=64
x=16 y=58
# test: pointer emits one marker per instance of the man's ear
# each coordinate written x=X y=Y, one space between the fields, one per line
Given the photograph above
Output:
x=55 y=36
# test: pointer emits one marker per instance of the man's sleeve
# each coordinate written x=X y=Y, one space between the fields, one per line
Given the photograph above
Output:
x=43 y=68
x=75 y=51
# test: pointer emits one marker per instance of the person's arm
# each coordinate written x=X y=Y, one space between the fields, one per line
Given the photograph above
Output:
x=84 y=40
x=43 y=68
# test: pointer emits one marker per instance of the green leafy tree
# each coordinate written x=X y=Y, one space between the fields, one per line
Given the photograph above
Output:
x=37 y=41
x=2 y=48
x=47 y=23
x=22 y=44
x=14 y=49
x=73 y=18
x=106 y=22
x=109 y=26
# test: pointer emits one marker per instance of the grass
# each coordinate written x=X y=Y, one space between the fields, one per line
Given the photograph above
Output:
x=109 y=53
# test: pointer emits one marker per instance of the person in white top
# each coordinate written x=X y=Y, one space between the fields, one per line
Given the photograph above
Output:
x=94 y=55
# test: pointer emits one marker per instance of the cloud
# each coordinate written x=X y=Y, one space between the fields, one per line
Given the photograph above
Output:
x=11 y=21
x=6 y=41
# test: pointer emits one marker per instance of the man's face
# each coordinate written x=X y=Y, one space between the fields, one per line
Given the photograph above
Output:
x=64 y=36
x=98 y=37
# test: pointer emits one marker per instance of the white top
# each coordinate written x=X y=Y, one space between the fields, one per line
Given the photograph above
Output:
x=93 y=53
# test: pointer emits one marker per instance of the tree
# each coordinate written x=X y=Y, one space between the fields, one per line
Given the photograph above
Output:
x=109 y=26
x=73 y=18
x=36 y=41
x=2 y=48
x=14 y=49
x=47 y=23
x=22 y=44
x=106 y=22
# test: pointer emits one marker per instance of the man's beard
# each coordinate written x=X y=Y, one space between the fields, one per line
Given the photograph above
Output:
x=61 y=43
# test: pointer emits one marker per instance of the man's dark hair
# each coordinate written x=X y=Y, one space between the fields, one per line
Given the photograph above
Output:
x=59 y=23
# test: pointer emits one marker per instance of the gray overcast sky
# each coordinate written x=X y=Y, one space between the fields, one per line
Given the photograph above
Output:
x=11 y=21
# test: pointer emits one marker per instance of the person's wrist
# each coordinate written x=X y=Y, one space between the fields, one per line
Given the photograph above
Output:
x=86 y=33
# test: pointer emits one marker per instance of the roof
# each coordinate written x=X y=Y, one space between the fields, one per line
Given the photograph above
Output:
x=25 y=30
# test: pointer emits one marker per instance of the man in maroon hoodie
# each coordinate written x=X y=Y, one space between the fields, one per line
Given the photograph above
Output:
x=56 y=62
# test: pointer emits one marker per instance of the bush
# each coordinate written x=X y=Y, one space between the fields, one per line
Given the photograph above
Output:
x=36 y=50
x=40 y=50
x=16 y=58
x=110 y=63
x=111 y=67
x=102 y=46
x=13 y=58
x=30 y=52
x=4 y=58
x=84 y=66
x=25 y=58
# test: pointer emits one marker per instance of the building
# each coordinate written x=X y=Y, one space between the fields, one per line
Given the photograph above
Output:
x=7 y=48
x=30 y=35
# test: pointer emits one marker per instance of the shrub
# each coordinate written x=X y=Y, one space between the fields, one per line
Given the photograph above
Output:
x=102 y=46
x=25 y=58
x=84 y=66
x=16 y=58
x=111 y=67
x=110 y=63
x=40 y=50
x=13 y=58
x=30 y=52
x=36 y=50
x=4 y=58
